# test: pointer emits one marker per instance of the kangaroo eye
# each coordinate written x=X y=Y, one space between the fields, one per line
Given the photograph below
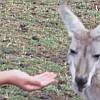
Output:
x=73 y=51
x=96 y=56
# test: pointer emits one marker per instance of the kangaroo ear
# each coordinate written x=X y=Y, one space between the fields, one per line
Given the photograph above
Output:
x=73 y=24
x=96 y=32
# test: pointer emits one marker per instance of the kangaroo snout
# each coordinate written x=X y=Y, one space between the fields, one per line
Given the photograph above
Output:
x=81 y=82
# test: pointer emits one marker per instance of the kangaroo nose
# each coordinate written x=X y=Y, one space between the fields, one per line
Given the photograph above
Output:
x=80 y=81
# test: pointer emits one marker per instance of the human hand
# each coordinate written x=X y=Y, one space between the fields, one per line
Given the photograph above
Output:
x=30 y=83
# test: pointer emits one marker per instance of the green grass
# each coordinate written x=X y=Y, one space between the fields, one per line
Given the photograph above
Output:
x=33 y=38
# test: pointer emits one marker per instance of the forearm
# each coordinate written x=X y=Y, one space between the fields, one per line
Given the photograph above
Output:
x=4 y=77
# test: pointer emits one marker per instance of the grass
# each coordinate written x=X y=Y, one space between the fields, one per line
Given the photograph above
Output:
x=34 y=39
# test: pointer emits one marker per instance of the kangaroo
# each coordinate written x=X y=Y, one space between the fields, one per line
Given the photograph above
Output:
x=83 y=55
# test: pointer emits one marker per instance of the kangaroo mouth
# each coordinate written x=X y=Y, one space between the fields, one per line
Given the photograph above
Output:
x=80 y=89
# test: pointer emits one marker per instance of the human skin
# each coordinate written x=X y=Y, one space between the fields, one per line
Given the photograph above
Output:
x=26 y=81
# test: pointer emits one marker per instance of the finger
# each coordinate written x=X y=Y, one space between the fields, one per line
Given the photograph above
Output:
x=31 y=88
x=33 y=81
x=48 y=74
x=48 y=82
x=45 y=76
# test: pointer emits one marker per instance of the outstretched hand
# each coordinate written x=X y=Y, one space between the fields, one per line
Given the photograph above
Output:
x=30 y=83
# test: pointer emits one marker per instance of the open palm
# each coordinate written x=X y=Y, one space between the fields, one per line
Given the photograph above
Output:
x=30 y=83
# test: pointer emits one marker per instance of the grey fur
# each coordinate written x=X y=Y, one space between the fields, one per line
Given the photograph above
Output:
x=85 y=62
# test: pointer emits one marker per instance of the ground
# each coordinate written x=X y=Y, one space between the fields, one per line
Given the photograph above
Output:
x=33 y=39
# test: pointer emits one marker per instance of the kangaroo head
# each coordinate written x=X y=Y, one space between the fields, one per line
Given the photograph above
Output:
x=84 y=50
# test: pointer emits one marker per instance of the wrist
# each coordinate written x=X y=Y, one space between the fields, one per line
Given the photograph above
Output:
x=4 y=77
x=11 y=77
